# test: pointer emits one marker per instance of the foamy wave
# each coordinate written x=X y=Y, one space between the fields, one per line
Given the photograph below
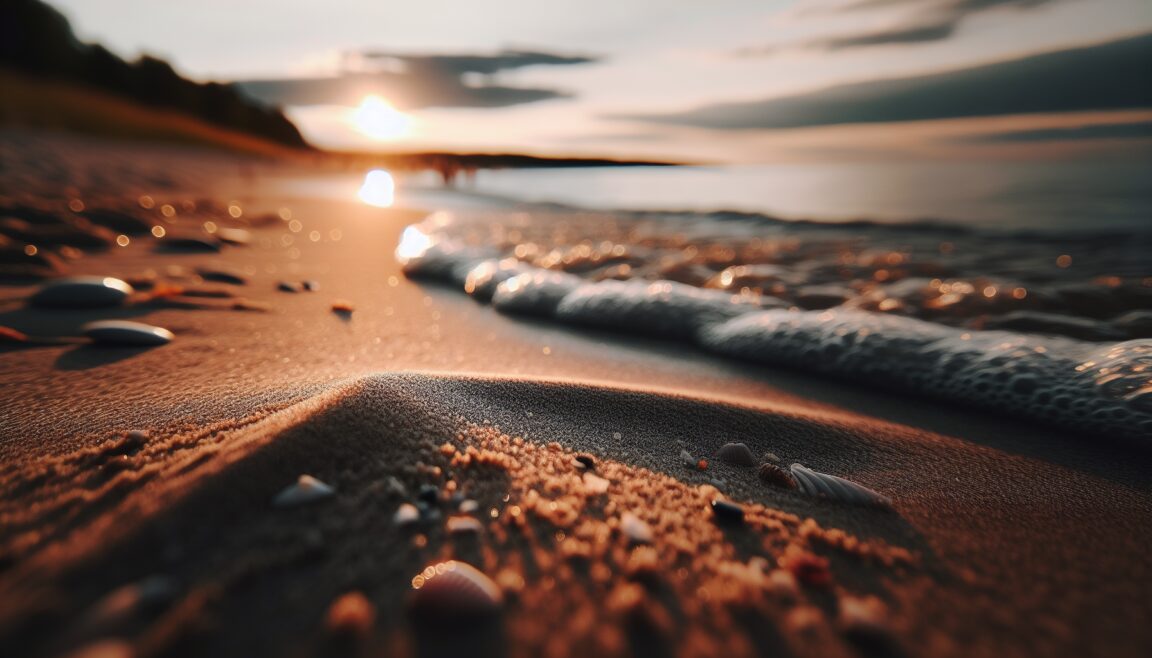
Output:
x=1093 y=387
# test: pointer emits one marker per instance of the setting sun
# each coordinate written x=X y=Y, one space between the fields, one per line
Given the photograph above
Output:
x=376 y=118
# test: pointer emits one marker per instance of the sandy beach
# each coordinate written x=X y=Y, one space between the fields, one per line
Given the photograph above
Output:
x=137 y=488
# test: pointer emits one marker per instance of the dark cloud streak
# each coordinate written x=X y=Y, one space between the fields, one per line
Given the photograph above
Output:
x=417 y=81
x=1108 y=76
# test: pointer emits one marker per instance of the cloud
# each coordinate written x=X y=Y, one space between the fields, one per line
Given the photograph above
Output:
x=1130 y=130
x=1107 y=76
x=417 y=81
x=931 y=20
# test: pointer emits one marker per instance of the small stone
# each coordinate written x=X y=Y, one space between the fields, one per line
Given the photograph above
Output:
x=126 y=333
x=469 y=506
x=769 y=457
x=687 y=458
x=429 y=494
x=863 y=619
x=406 y=514
x=82 y=292
x=310 y=285
x=727 y=512
x=352 y=614
x=343 y=307
x=395 y=487
x=594 y=484
x=464 y=524
x=236 y=236
x=636 y=530
x=289 y=286
x=222 y=276
x=737 y=454
x=306 y=489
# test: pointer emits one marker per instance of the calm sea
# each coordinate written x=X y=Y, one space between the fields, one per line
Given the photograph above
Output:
x=1101 y=196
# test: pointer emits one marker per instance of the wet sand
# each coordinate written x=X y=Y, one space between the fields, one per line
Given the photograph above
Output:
x=1003 y=539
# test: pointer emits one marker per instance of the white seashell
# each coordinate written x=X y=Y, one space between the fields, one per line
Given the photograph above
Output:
x=737 y=454
x=451 y=590
x=464 y=524
x=306 y=489
x=82 y=292
x=406 y=515
x=124 y=332
x=636 y=530
x=814 y=483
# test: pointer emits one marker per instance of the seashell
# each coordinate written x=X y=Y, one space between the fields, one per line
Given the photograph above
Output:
x=737 y=454
x=222 y=276
x=728 y=512
x=636 y=530
x=830 y=486
x=124 y=332
x=406 y=514
x=464 y=524
x=82 y=292
x=774 y=475
x=453 y=590
x=306 y=489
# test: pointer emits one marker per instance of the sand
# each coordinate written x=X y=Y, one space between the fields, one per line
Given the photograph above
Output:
x=1004 y=538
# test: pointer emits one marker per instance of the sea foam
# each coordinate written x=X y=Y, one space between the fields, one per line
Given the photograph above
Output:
x=1101 y=388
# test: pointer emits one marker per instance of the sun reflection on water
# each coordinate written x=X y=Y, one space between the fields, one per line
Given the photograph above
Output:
x=378 y=189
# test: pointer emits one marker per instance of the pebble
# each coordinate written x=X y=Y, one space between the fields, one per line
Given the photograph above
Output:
x=311 y=285
x=464 y=524
x=124 y=332
x=636 y=530
x=469 y=506
x=406 y=514
x=728 y=512
x=289 y=286
x=351 y=614
x=343 y=307
x=737 y=454
x=688 y=459
x=82 y=292
x=222 y=276
x=594 y=484
x=190 y=244
x=306 y=489
x=429 y=494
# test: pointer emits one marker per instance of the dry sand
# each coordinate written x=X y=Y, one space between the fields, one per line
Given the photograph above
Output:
x=1003 y=539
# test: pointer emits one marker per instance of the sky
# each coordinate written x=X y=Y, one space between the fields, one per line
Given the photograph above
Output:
x=715 y=81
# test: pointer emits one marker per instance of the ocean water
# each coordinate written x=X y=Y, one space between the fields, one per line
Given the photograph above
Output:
x=1061 y=196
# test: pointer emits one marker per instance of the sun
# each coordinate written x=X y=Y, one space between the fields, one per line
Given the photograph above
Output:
x=376 y=118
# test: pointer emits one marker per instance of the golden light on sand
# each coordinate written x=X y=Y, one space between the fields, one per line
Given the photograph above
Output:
x=376 y=118
x=378 y=189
